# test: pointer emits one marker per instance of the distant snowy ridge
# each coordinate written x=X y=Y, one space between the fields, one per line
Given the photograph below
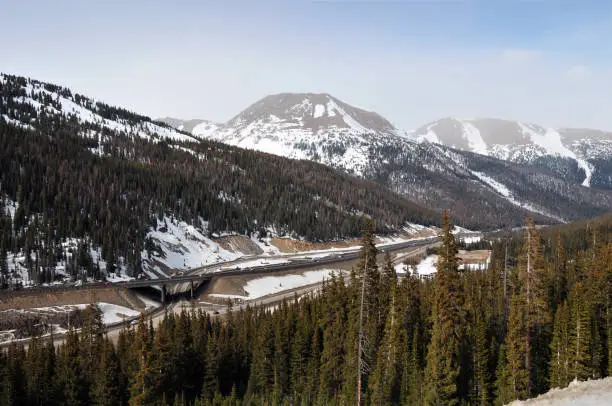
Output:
x=518 y=142
x=54 y=100
x=444 y=162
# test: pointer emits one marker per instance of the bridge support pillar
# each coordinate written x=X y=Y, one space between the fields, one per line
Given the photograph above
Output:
x=163 y=294
x=192 y=289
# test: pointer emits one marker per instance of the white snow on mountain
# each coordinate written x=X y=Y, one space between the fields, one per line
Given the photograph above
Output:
x=506 y=193
x=475 y=141
x=304 y=126
x=54 y=100
x=205 y=129
x=550 y=141
x=518 y=142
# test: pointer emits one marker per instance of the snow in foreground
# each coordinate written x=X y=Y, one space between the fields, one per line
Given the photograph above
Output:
x=589 y=393
x=268 y=285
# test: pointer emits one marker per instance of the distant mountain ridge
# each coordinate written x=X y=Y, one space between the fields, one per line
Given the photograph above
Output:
x=498 y=171
x=521 y=142
x=310 y=126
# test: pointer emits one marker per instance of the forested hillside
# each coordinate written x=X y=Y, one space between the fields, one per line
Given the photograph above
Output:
x=73 y=168
x=473 y=337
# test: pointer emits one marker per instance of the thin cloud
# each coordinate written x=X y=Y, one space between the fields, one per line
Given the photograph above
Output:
x=520 y=56
x=578 y=73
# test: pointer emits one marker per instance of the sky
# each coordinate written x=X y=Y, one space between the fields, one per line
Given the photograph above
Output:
x=547 y=62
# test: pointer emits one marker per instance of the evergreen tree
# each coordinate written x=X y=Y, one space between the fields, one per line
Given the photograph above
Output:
x=533 y=301
x=106 y=389
x=560 y=349
x=443 y=367
x=140 y=388
x=518 y=374
x=481 y=363
x=384 y=381
x=504 y=391
x=580 y=334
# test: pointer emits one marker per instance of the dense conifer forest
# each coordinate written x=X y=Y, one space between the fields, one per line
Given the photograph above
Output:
x=539 y=317
x=63 y=178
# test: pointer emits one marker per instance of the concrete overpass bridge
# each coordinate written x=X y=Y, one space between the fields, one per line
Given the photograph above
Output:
x=189 y=281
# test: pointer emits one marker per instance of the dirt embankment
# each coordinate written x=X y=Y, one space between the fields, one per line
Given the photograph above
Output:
x=474 y=257
x=238 y=244
x=24 y=300
x=288 y=245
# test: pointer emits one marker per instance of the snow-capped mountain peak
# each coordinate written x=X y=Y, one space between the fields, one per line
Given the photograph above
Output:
x=313 y=126
x=312 y=111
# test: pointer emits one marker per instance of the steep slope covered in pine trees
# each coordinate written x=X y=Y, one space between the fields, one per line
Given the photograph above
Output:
x=72 y=168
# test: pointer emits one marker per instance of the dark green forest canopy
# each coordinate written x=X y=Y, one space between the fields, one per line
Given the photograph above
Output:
x=305 y=352
x=64 y=190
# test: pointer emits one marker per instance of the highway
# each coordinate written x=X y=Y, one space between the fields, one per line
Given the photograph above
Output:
x=294 y=262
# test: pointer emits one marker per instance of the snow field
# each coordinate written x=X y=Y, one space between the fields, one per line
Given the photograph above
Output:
x=257 y=288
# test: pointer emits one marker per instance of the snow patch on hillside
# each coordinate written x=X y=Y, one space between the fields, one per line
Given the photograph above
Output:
x=348 y=119
x=205 y=129
x=474 y=139
x=589 y=393
x=505 y=192
x=319 y=110
x=428 y=266
x=183 y=246
x=16 y=123
x=112 y=313
x=257 y=288
x=87 y=111
x=550 y=141
x=330 y=109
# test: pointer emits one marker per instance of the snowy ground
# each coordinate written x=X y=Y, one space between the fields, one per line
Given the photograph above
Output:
x=589 y=393
x=470 y=239
x=149 y=303
x=262 y=261
x=184 y=246
x=181 y=246
x=428 y=266
x=509 y=196
x=111 y=313
x=268 y=285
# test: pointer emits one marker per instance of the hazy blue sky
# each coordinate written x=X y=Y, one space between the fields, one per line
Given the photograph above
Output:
x=548 y=62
